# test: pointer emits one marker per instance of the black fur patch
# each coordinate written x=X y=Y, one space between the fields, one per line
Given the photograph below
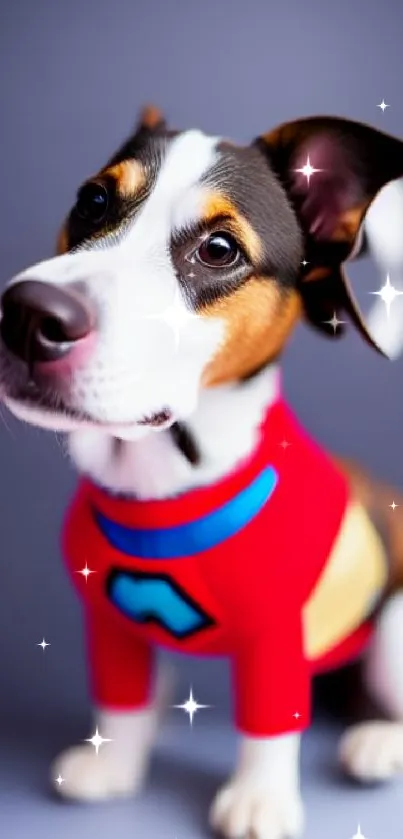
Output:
x=149 y=152
x=185 y=442
x=243 y=175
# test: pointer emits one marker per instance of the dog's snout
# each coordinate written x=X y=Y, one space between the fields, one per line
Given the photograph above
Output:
x=42 y=322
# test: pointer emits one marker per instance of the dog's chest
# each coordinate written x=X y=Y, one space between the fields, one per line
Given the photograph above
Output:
x=207 y=571
x=188 y=586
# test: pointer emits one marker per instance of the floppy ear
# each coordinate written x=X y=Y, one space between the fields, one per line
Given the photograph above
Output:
x=331 y=169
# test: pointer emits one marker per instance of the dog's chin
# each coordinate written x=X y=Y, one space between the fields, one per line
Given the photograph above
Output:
x=67 y=420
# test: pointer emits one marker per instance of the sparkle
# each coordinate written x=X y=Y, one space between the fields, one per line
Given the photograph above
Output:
x=59 y=780
x=297 y=715
x=387 y=293
x=358 y=835
x=285 y=444
x=334 y=322
x=190 y=706
x=393 y=506
x=97 y=741
x=304 y=263
x=176 y=316
x=308 y=170
x=383 y=106
x=86 y=572
x=43 y=644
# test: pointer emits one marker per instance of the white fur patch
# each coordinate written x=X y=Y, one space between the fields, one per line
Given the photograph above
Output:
x=373 y=751
x=225 y=427
x=384 y=661
x=384 y=229
x=384 y=226
x=263 y=797
x=120 y=766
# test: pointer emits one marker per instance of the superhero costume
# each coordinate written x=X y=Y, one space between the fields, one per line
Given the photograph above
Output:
x=221 y=570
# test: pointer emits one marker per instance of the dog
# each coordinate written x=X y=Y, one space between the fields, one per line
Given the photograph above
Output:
x=212 y=521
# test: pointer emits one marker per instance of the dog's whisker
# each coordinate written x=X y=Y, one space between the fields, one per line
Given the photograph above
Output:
x=4 y=421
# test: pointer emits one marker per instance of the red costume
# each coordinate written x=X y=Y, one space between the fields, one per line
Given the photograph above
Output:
x=221 y=570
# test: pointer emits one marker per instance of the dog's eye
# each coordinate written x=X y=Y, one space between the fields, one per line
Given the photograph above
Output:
x=219 y=250
x=92 y=203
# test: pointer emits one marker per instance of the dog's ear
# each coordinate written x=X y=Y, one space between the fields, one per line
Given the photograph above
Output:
x=150 y=120
x=150 y=123
x=331 y=169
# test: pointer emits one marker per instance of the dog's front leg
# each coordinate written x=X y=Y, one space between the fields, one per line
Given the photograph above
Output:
x=272 y=704
x=121 y=668
x=262 y=799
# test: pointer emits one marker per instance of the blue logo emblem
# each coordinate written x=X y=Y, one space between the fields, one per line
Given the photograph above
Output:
x=151 y=598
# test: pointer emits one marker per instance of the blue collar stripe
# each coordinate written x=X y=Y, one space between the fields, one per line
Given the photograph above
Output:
x=196 y=536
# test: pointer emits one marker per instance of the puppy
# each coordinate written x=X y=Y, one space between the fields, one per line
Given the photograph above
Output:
x=213 y=523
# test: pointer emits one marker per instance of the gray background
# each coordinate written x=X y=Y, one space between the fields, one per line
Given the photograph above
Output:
x=72 y=76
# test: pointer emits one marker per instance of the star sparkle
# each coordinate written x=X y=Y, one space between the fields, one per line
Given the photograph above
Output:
x=308 y=170
x=304 y=263
x=43 y=644
x=59 y=780
x=86 y=572
x=393 y=506
x=296 y=715
x=388 y=294
x=285 y=444
x=97 y=740
x=191 y=706
x=358 y=835
x=383 y=106
x=334 y=322
x=176 y=315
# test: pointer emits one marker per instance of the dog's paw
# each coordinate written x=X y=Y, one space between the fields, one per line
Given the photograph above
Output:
x=372 y=751
x=86 y=776
x=242 y=809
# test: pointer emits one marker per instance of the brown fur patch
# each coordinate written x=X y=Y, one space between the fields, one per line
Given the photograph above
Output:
x=62 y=242
x=151 y=117
x=284 y=135
x=130 y=177
x=218 y=205
x=317 y=274
x=258 y=317
x=349 y=224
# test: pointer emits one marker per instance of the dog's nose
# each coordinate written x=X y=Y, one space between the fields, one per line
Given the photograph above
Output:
x=41 y=322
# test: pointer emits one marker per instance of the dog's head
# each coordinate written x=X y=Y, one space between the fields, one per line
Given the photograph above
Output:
x=185 y=263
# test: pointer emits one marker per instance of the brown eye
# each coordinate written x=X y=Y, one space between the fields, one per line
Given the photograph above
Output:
x=218 y=251
x=92 y=203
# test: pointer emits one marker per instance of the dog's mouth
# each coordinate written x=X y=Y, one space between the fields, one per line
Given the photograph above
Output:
x=50 y=411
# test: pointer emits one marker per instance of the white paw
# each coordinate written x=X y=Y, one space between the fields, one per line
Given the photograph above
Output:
x=373 y=751
x=88 y=776
x=242 y=809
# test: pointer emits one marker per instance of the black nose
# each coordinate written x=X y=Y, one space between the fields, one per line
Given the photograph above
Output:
x=41 y=322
